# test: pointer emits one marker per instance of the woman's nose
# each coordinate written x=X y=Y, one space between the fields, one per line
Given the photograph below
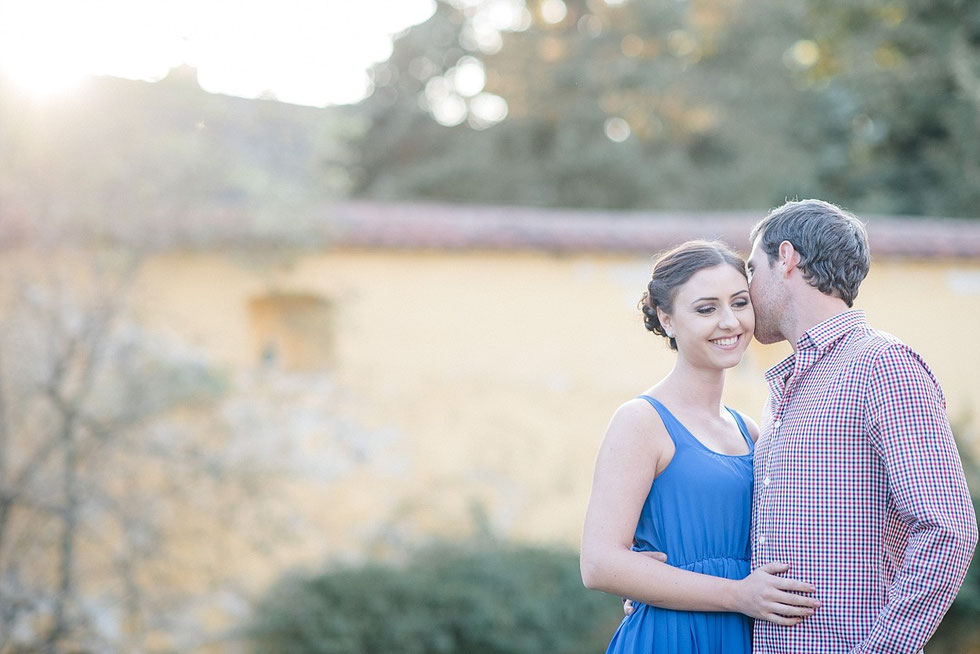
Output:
x=727 y=318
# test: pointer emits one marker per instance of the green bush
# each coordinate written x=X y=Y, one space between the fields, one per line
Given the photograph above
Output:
x=507 y=600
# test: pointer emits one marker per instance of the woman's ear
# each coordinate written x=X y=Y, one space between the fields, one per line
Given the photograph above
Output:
x=665 y=322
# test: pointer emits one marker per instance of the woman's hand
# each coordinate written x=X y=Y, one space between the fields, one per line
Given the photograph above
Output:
x=765 y=596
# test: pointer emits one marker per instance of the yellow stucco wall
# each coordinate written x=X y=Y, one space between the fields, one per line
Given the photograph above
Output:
x=495 y=373
x=465 y=379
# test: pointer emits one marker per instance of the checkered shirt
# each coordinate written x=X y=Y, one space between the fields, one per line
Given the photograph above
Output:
x=860 y=489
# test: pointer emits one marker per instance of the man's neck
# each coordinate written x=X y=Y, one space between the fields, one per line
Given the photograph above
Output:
x=811 y=310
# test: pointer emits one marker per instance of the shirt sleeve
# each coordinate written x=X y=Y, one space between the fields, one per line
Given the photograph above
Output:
x=927 y=489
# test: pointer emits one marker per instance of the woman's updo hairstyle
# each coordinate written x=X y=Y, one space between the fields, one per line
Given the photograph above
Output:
x=672 y=270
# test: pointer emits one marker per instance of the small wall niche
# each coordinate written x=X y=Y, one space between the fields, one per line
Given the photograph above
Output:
x=293 y=331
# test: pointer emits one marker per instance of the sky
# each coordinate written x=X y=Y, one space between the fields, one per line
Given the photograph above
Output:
x=311 y=52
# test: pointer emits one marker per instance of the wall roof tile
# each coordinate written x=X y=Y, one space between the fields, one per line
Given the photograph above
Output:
x=462 y=227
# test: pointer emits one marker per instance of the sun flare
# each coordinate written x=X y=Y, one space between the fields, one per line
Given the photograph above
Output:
x=41 y=78
x=302 y=51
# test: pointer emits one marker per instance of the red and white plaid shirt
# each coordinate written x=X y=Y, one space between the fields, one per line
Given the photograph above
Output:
x=860 y=489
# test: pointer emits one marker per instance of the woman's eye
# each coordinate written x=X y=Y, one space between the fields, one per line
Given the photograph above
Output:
x=740 y=304
x=704 y=311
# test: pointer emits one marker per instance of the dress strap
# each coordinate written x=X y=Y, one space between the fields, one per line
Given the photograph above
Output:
x=742 y=427
x=672 y=424
x=675 y=427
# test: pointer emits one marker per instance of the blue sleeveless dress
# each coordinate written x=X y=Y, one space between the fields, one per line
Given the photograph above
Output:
x=698 y=513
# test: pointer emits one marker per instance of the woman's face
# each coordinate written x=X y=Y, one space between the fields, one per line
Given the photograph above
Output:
x=712 y=319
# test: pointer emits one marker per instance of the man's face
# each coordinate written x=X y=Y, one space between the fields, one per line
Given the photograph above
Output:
x=766 y=293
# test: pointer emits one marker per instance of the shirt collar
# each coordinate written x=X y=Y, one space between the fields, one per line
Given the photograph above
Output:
x=818 y=339
x=822 y=335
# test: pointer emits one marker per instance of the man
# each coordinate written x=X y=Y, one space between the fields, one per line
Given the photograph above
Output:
x=858 y=484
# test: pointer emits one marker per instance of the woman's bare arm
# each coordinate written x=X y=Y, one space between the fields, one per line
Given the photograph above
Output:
x=635 y=449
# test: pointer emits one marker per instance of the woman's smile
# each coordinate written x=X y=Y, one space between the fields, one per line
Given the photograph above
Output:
x=727 y=342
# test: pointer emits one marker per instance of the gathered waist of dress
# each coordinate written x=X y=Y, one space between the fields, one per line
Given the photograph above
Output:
x=700 y=562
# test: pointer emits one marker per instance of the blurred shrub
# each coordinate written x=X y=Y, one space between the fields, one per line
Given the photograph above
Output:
x=968 y=600
x=959 y=632
x=504 y=600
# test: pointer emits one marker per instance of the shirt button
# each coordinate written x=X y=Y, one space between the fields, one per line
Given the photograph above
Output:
x=765 y=480
x=761 y=539
x=777 y=424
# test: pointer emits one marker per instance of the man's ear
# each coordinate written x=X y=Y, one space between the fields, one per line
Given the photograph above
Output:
x=789 y=258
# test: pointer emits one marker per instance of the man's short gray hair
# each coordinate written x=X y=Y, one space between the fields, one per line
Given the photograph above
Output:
x=832 y=243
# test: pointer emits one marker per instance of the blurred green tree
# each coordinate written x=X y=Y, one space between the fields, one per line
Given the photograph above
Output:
x=622 y=105
x=704 y=104
x=898 y=85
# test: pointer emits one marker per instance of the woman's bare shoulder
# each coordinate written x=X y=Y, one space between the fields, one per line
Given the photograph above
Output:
x=637 y=422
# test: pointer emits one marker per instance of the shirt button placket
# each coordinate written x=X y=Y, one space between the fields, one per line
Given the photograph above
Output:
x=766 y=481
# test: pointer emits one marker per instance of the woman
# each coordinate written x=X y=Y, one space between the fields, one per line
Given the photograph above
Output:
x=674 y=475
